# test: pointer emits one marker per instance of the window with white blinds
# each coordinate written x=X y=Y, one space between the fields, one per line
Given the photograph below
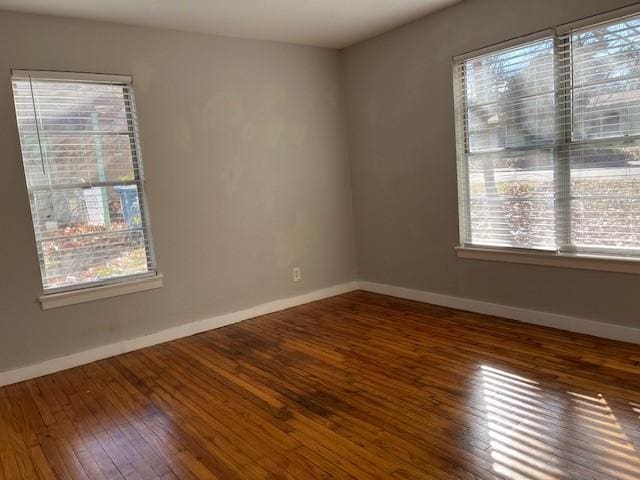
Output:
x=548 y=142
x=82 y=164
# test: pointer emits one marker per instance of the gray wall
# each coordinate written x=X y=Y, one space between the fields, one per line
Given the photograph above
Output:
x=402 y=152
x=247 y=162
x=245 y=151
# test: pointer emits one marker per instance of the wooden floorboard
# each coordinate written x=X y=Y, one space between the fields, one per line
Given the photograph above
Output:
x=356 y=386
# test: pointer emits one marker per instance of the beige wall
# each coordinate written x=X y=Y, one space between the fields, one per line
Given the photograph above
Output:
x=402 y=152
x=245 y=151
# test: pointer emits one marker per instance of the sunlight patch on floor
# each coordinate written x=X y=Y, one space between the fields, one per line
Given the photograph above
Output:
x=534 y=432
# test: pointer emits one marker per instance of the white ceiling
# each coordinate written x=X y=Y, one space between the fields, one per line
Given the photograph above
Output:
x=326 y=23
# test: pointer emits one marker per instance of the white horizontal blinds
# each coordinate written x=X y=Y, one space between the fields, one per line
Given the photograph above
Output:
x=603 y=109
x=85 y=180
x=507 y=131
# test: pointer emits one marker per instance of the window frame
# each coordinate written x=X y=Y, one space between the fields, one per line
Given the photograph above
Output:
x=87 y=291
x=566 y=256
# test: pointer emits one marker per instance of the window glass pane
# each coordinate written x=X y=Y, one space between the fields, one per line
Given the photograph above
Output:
x=81 y=134
x=607 y=110
x=88 y=234
x=605 y=206
x=72 y=106
x=514 y=123
x=512 y=200
x=77 y=159
x=606 y=81
x=509 y=97
x=93 y=257
x=606 y=53
x=605 y=177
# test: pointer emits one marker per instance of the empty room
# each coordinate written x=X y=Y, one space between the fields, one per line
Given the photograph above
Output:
x=320 y=239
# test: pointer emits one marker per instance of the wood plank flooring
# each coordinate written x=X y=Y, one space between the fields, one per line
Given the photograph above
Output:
x=356 y=386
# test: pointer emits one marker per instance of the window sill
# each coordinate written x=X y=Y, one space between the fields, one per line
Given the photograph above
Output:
x=563 y=260
x=72 y=297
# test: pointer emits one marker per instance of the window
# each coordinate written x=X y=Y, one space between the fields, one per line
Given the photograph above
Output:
x=548 y=141
x=84 y=177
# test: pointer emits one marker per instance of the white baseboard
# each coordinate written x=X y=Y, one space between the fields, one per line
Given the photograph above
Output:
x=81 y=358
x=562 y=322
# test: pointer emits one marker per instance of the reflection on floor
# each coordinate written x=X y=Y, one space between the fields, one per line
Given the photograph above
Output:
x=536 y=434
x=356 y=386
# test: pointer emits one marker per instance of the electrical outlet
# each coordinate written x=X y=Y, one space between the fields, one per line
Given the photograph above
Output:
x=296 y=274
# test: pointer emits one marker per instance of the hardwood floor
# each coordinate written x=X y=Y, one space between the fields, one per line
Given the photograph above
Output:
x=356 y=386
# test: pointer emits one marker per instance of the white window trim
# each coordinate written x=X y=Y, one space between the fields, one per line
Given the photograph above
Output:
x=578 y=261
x=581 y=261
x=90 y=294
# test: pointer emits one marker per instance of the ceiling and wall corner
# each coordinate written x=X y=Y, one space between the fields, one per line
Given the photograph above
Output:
x=326 y=23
